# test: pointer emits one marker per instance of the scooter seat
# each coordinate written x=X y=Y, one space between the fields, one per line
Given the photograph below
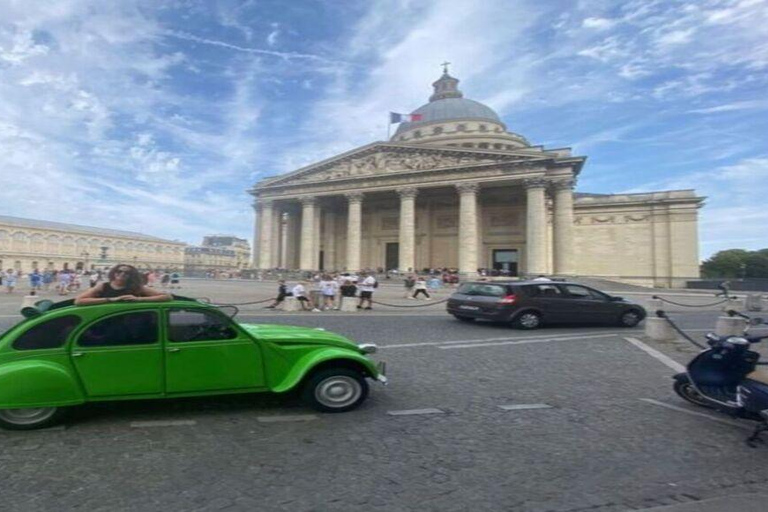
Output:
x=759 y=375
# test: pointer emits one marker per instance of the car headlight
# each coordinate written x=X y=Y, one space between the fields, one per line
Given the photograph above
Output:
x=368 y=348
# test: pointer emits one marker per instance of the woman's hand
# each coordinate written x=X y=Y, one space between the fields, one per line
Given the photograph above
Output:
x=126 y=298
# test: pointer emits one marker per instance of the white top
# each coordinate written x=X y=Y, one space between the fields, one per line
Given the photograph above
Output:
x=329 y=287
x=542 y=278
x=368 y=284
x=420 y=285
x=299 y=291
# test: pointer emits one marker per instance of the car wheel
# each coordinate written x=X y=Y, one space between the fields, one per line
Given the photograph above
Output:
x=30 y=418
x=464 y=318
x=527 y=320
x=335 y=390
x=629 y=318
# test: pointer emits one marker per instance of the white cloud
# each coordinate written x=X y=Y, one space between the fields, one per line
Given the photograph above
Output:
x=731 y=107
x=598 y=23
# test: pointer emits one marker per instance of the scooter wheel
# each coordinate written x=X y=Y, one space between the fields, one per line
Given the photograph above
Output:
x=686 y=391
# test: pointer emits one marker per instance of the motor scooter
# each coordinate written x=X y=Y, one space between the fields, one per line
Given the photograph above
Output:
x=727 y=375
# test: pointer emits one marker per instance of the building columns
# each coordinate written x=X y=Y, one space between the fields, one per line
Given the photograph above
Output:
x=284 y=234
x=354 y=230
x=468 y=227
x=407 y=245
x=277 y=218
x=329 y=245
x=307 y=233
x=536 y=227
x=256 y=234
x=265 y=244
x=563 y=227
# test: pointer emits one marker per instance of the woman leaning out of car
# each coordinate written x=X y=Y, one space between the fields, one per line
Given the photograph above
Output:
x=123 y=285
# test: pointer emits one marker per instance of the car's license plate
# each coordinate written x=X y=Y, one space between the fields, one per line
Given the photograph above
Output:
x=470 y=308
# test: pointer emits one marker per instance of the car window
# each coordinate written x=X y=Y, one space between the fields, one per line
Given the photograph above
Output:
x=50 y=334
x=483 y=289
x=544 y=290
x=584 y=293
x=139 y=328
x=198 y=325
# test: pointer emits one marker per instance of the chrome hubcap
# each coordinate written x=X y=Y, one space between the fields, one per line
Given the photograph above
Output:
x=631 y=318
x=529 y=320
x=27 y=416
x=339 y=391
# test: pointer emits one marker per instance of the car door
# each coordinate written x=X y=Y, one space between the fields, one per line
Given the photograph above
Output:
x=206 y=351
x=586 y=305
x=120 y=355
x=550 y=299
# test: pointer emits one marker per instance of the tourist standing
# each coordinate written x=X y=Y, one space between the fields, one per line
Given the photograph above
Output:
x=409 y=282
x=47 y=280
x=421 y=287
x=328 y=289
x=35 y=280
x=282 y=293
x=367 y=286
x=10 y=280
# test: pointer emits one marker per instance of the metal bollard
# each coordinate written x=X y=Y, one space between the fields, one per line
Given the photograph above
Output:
x=658 y=329
x=730 y=326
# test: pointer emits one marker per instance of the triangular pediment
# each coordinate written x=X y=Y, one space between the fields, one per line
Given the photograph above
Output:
x=387 y=158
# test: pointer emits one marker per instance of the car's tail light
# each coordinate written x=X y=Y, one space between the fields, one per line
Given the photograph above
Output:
x=509 y=299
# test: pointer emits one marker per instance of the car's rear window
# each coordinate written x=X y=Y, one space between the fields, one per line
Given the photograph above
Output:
x=50 y=334
x=483 y=289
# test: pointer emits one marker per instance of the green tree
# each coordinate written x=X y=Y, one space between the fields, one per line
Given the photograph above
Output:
x=736 y=263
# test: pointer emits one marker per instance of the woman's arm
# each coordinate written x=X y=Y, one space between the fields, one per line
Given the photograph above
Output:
x=149 y=295
x=92 y=296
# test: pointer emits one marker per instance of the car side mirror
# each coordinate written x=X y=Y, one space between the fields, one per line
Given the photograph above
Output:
x=616 y=299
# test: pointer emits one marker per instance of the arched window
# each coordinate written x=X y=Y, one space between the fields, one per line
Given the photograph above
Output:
x=483 y=128
x=53 y=244
x=37 y=243
x=483 y=145
x=461 y=128
x=5 y=240
x=498 y=146
x=19 y=241
x=437 y=130
x=467 y=145
x=417 y=134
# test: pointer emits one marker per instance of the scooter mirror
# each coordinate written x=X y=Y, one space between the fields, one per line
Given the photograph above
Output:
x=712 y=336
x=756 y=321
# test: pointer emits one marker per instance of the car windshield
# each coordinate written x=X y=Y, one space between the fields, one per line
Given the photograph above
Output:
x=483 y=289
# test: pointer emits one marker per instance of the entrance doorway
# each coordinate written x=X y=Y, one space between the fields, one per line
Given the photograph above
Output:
x=321 y=260
x=392 y=256
x=505 y=261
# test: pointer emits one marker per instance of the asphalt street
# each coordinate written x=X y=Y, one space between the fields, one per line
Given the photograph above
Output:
x=476 y=417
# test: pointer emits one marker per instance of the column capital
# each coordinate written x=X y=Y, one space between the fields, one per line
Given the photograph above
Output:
x=354 y=197
x=267 y=202
x=563 y=184
x=407 y=192
x=530 y=183
x=468 y=188
x=256 y=205
x=308 y=200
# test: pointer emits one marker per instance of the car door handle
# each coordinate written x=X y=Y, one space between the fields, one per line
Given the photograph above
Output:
x=173 y=349
x=78 y=354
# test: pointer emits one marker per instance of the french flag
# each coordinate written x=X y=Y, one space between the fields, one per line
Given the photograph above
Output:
x=403 y=118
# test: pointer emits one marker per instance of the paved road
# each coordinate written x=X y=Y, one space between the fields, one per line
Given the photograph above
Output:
x=477 y=417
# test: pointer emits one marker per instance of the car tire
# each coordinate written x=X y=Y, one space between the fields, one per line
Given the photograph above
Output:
x=467 y=319
x=527 y=320
x=32 y=418
x=335 y=390
x=630 y=318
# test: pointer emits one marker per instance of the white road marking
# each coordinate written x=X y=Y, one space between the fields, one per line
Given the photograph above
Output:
x=163 y=423
x=694 y=413
x=677 y=367
x=286 y=418
x=547 y=337
x=526 y=341
x=413 y=412
x=523 y=407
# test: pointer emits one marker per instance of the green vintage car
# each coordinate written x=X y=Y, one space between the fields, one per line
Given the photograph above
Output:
x=63 y=355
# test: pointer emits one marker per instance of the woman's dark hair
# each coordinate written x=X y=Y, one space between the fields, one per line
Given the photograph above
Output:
x=133 y=280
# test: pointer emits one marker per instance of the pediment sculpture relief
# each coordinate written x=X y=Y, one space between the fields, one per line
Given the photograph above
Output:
x=386 y=162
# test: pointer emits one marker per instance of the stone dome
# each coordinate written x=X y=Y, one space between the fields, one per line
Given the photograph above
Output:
x=450 y=119
x=451 y=109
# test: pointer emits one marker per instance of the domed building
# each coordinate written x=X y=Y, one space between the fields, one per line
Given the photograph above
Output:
x=453 y=187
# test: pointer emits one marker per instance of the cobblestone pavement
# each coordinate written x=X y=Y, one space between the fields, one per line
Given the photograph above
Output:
x=477 y=417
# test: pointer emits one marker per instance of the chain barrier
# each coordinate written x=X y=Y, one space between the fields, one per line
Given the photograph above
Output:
x=208 y=301
x=691 y=305
x=408 y=305
x=663 y=314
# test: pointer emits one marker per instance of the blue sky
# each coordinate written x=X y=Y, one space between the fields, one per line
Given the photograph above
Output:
x=156 y=116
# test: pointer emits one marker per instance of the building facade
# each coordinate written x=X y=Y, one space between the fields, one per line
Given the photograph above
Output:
x=457 y=189
x=239 y=246
x=26 y=244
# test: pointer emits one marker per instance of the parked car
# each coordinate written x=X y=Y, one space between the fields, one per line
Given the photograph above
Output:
x=530 y=304
x=64 y=355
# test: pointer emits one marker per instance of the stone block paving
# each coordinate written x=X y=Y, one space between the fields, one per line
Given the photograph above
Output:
x=599 y=447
